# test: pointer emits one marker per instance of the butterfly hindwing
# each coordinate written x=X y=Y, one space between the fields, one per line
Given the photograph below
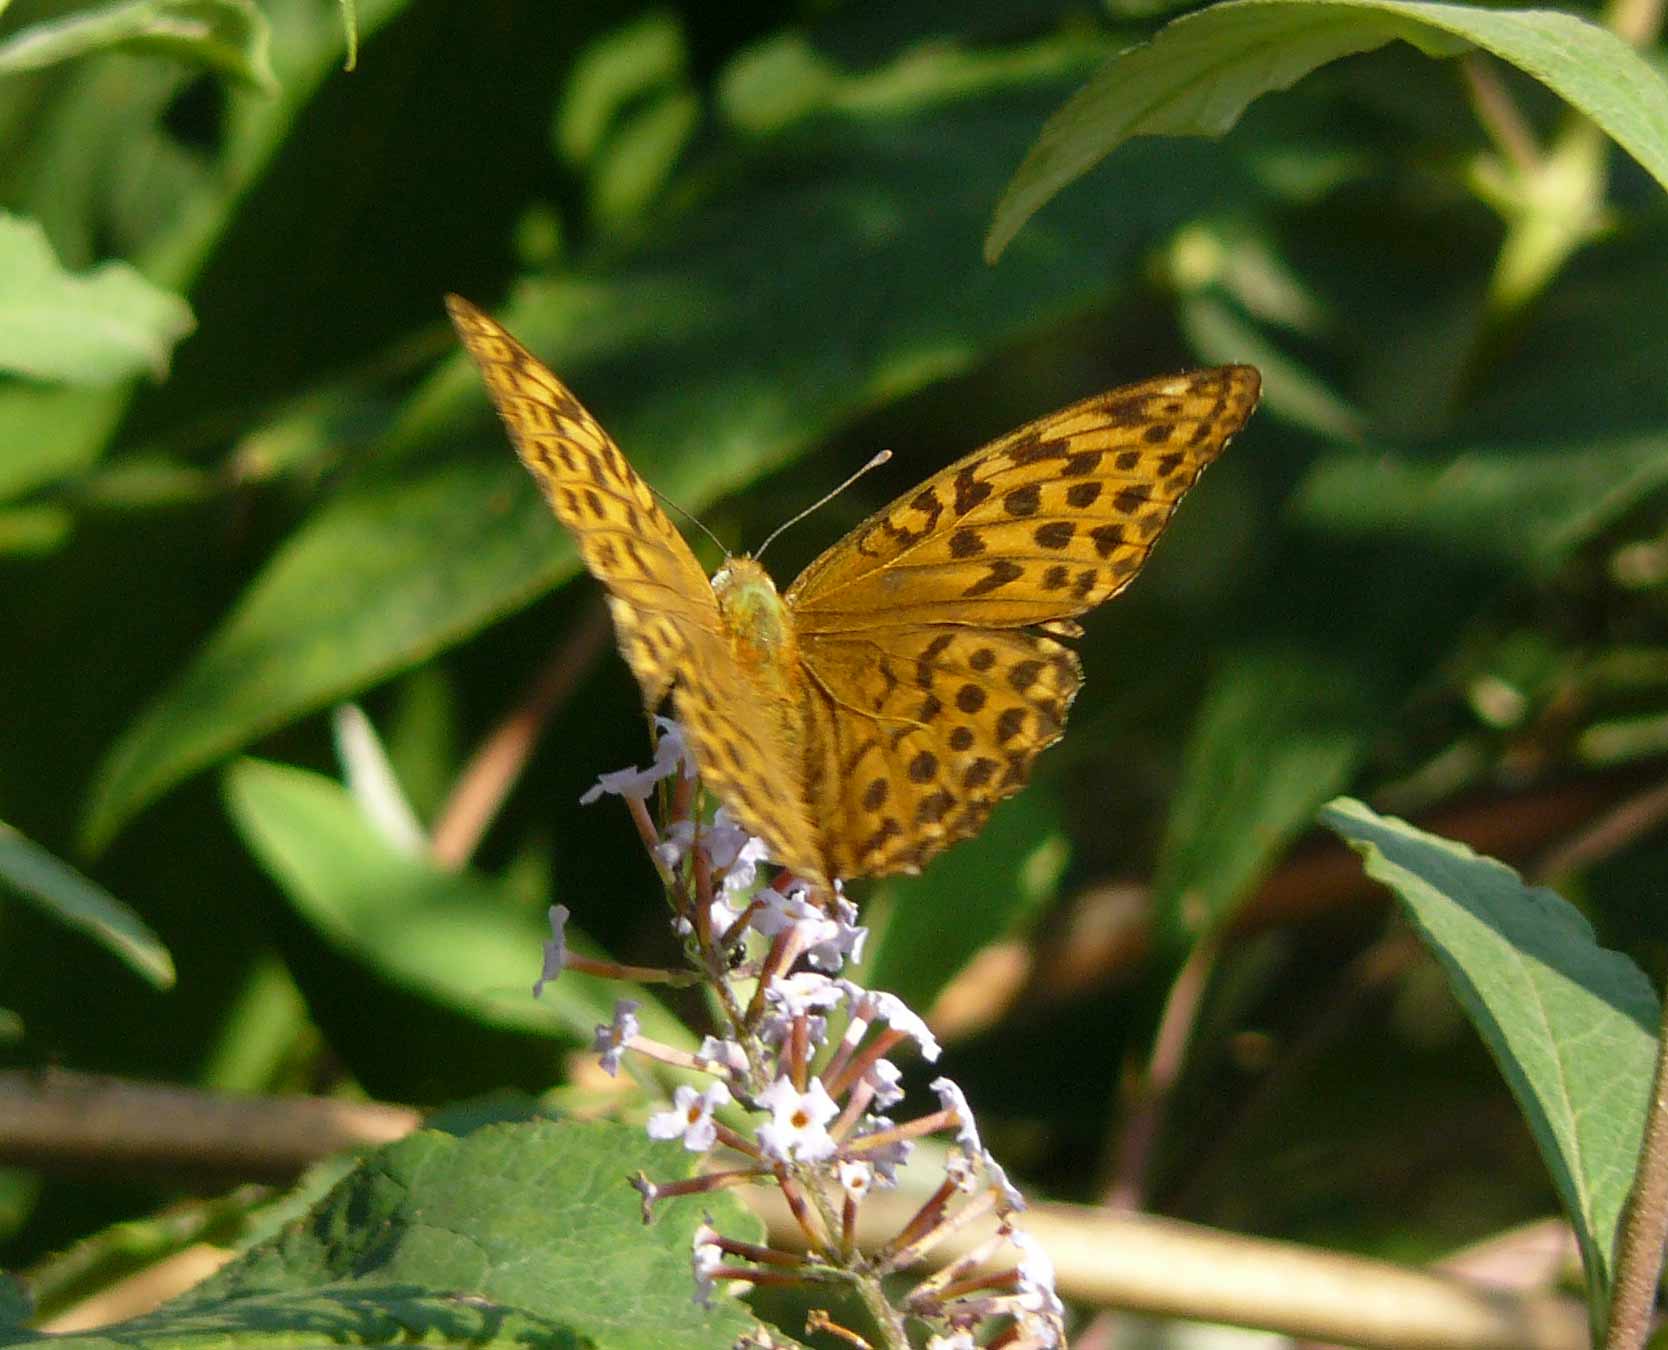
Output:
x=912 y=739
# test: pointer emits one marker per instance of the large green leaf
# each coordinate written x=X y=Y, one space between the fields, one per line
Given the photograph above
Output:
x=458 y=938
x=1197 y=76
x=514 y=1235
x=1570 y=1023
x=717 y=355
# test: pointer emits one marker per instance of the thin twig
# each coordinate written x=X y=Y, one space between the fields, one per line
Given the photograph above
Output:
x=1127 y=1192
x=493 y=769
x=1498 y=114
x=1623 y=824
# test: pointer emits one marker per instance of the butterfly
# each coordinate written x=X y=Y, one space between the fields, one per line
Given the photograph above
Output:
x=876 y=711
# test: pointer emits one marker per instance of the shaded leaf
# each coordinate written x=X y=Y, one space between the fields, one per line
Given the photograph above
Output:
x=979 y=892
x=61 y=891
x=1198 y=74
x=457 y=938
x=1531 y=506
x=1279 y=732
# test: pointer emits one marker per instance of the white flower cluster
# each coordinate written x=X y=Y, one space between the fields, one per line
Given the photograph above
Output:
x=800 y=1087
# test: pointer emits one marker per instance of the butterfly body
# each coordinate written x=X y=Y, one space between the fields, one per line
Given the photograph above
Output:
x=878 y=709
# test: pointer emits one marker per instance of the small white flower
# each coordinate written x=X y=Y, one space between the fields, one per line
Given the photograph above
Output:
x=877 y=1005
x=706 y=1256
x=846 y=943
x=671 y=756
x=951 y=1099
x=691 y=1117
x=632 y=782
x=998 y=1178
x=675 y=843
x=802 y=994
x=856 y=1177
x=958 y=1170
x=672 y=753
x=956 y=1340
x=797 y=1128
x=888 y=1158
x=613 y=1039
x=1036 y=1276
x=886 y=1079
x=728 y=1054
x=793 y=909
x=555 y=951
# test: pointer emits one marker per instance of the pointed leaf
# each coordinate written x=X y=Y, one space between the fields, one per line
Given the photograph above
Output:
x=1570 y=1023
x=1197 y=76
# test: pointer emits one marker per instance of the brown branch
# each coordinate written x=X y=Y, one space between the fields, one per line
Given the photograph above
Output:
x=79 y=1123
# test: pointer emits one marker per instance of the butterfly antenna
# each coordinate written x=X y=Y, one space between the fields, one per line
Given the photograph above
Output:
x=691 y=517
x=823 y=501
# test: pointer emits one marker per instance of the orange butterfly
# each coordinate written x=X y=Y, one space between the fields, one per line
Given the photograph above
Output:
x=875 y=713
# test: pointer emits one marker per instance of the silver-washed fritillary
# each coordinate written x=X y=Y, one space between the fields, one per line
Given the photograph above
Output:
x=874 y=713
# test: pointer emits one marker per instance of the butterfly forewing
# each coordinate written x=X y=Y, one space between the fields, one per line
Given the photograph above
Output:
x=1043 y=524
x=665 y=617
x=928 y=692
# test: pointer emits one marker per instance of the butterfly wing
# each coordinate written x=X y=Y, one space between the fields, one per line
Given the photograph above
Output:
x=666 y=619
x=929 y=687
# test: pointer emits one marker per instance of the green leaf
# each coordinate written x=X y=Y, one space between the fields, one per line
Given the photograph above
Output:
x=1279 y=732
x=1571 y=1024
x=230 y=36
x=751 y=359
x=979 y=892
x=94 y=329
x=64 y=893
x=514 y=1235
x=457 y=938
x=1200 y=72
x=1531 y=506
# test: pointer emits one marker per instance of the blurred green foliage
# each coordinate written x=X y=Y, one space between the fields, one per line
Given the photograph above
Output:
x=1433 y=570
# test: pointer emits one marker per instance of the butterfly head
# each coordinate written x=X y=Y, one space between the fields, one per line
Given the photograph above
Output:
x=753 y=610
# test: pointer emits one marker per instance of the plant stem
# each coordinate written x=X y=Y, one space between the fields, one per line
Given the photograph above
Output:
x=1639 y=1246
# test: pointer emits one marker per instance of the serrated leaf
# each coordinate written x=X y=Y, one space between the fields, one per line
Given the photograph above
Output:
x=455 y=937
x=1200 y=72
x=97 y=328
x=72 y=899
x=1571 y=1024
x=231 y=36
x=515 y=1235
